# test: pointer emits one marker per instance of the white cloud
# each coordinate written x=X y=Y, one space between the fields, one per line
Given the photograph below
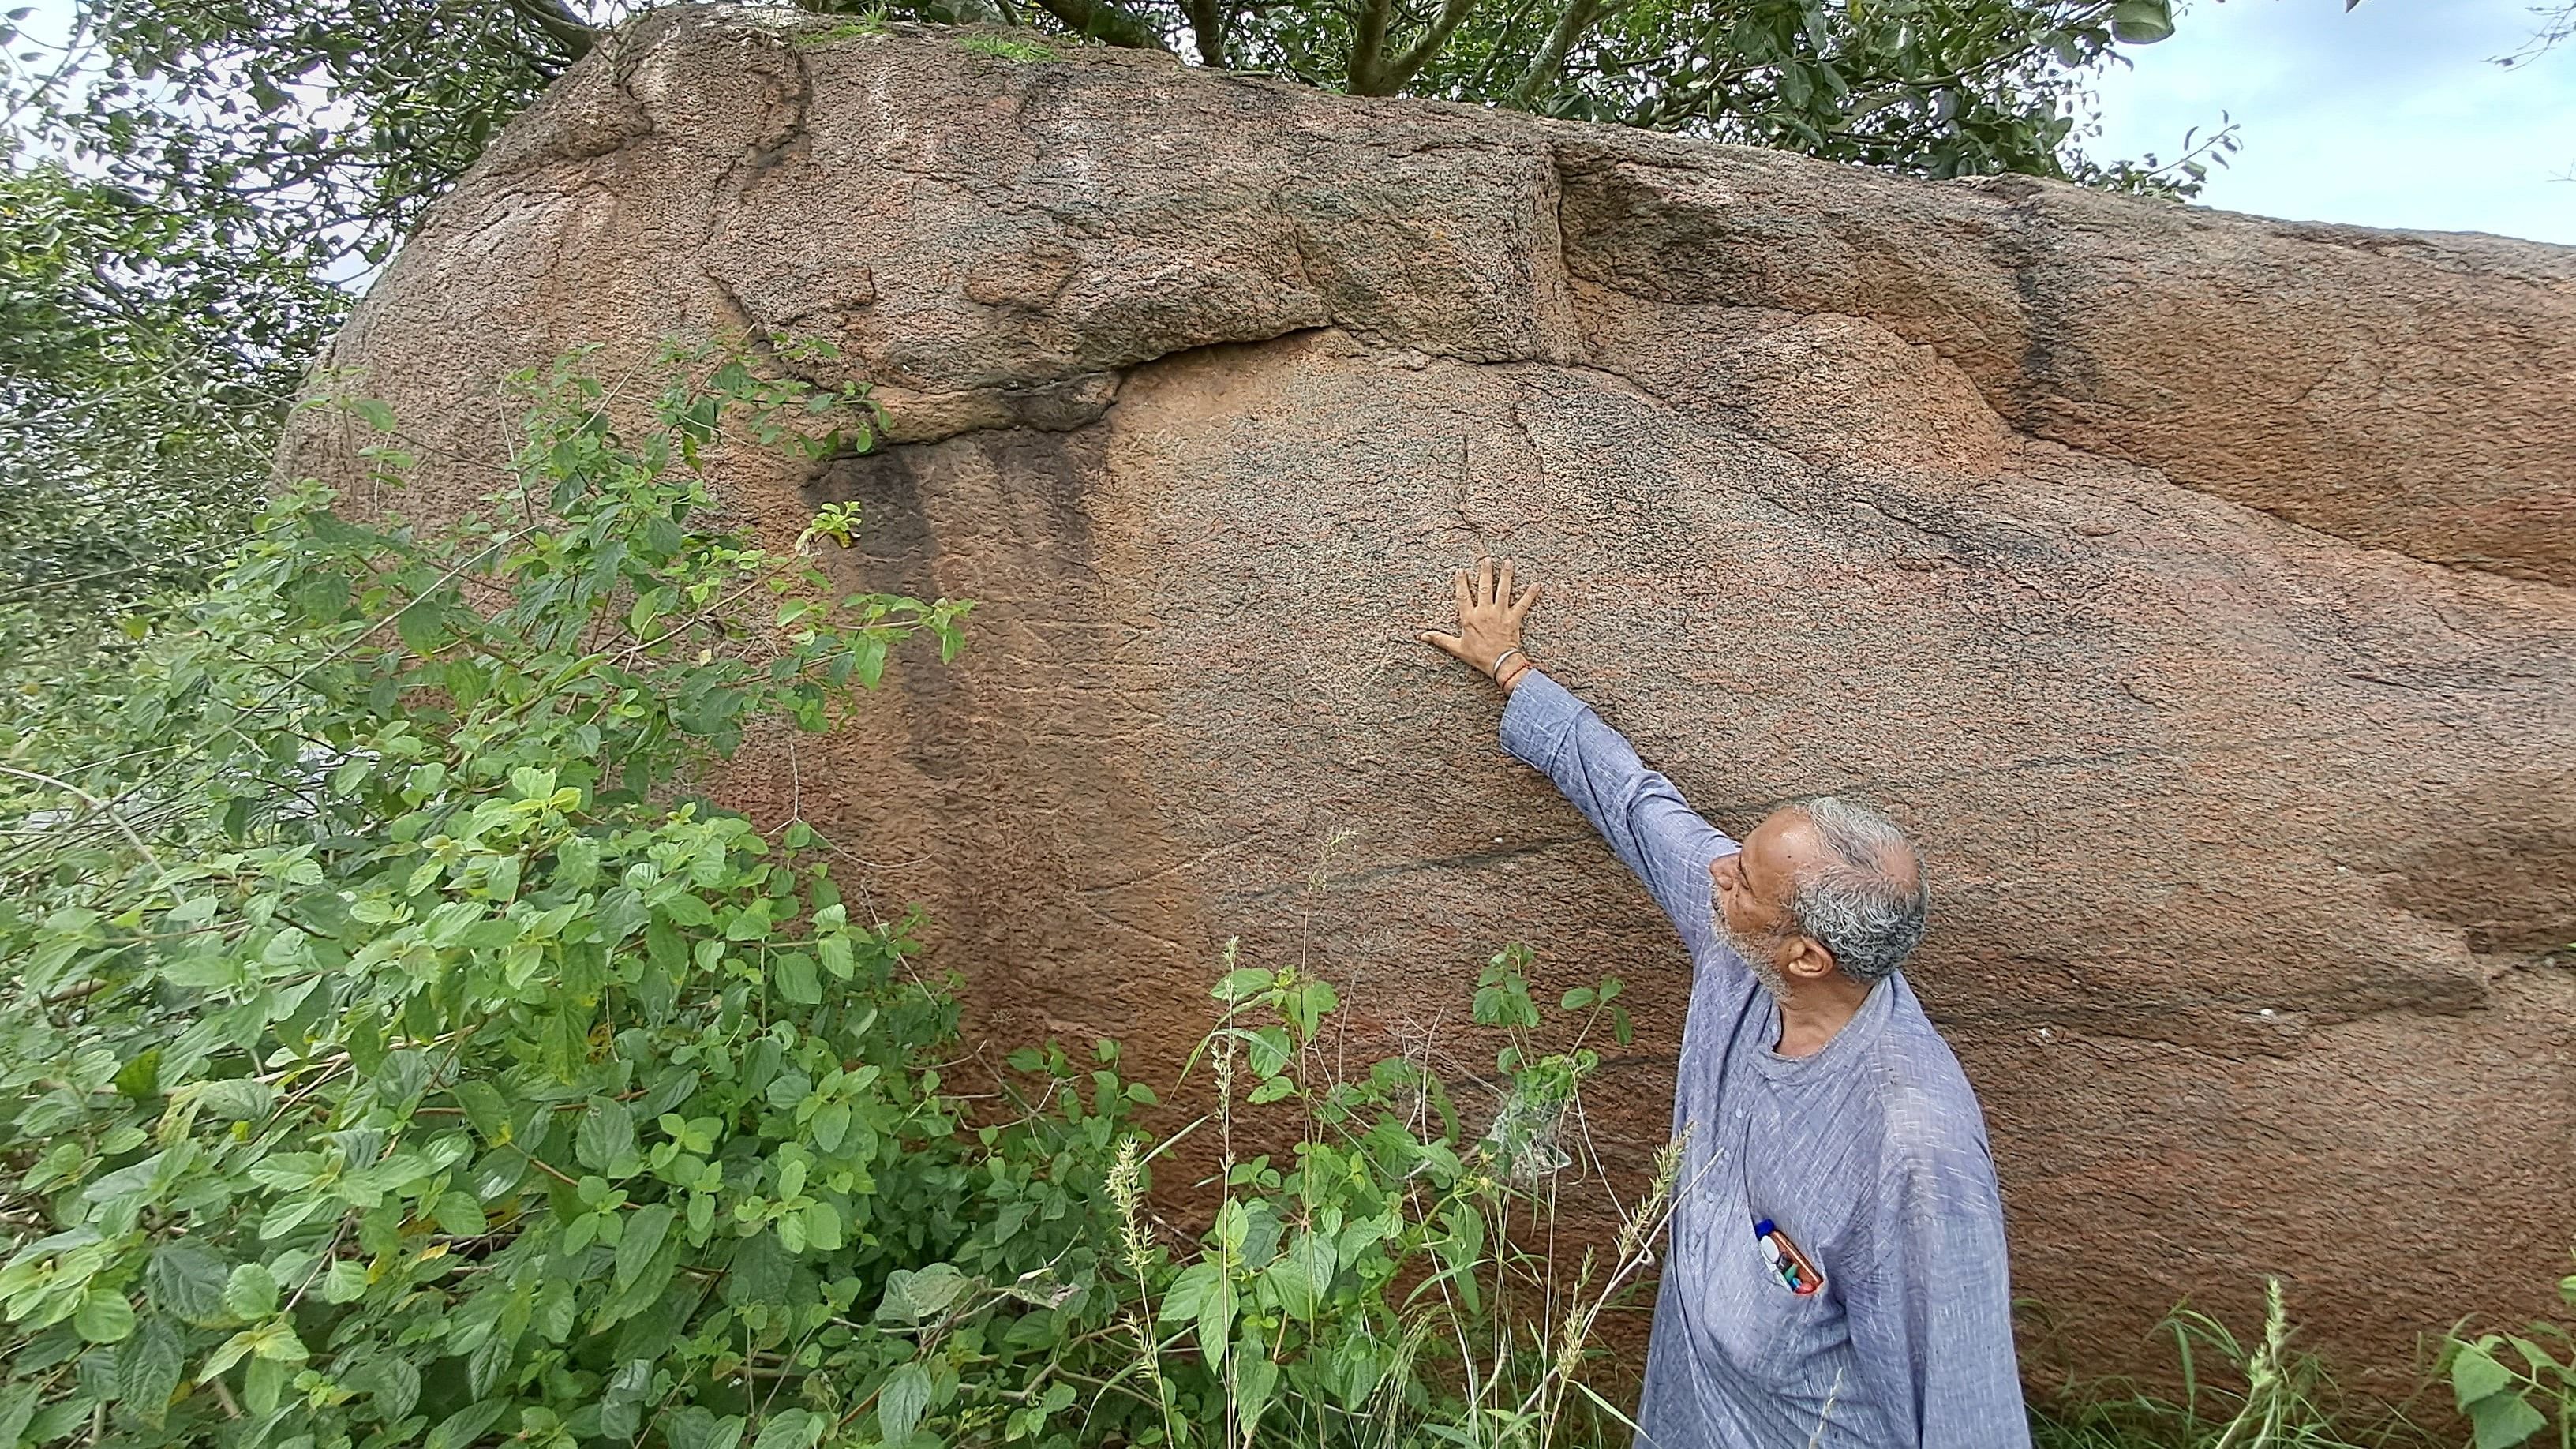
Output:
x=2391 y=115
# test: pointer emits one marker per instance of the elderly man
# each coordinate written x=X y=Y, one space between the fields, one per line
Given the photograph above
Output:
x=1835 y=1274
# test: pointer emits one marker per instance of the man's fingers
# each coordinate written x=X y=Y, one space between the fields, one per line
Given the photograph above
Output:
x=1449 y=644
x=1485 y=580
x=1521 y=606
x=1466 y=595
x=1503 y=585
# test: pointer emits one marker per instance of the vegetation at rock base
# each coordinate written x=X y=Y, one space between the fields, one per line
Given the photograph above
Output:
x=396 y=1050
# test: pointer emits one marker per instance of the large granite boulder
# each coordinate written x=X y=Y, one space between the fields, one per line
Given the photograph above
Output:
x=2200 y=589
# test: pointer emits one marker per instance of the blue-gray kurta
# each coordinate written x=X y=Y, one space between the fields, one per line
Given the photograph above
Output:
x=1871 y=1155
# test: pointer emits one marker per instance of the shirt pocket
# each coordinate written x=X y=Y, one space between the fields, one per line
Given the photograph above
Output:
x=1773 y=1335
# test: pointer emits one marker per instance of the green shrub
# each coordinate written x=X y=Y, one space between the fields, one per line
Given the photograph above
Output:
x=2511 y=1386
x=392 y=1053
x=1390 y=1283
x=396 y=1052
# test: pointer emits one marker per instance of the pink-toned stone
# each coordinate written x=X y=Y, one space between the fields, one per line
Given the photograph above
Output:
x=2196 y=587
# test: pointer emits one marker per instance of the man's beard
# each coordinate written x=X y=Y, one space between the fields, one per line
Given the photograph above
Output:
x=1755 y=953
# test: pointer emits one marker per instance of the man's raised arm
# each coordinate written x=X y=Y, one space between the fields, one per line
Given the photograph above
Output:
x=1637 y=810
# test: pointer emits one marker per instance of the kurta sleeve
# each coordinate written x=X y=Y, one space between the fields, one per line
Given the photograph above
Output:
x=1638 y=811
x=1933 y=1319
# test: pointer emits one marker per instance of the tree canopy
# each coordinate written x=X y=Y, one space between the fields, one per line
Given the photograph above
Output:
x=328 y=123
x=145 y=357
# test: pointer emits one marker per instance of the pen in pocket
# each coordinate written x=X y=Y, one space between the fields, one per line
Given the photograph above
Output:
x=1795 y=1268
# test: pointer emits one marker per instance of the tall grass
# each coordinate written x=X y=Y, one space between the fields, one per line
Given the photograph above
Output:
x=2236 y=1394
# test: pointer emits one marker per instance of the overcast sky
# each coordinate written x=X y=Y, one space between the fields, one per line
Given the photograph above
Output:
x=2391 y=115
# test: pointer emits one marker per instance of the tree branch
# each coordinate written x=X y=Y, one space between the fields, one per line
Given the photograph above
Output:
x=103 y=807
x=1393 y=78
x=559 y=24
x=1105 y=22
x=1207 y=23
x=1548 y=66
x=1368 y=46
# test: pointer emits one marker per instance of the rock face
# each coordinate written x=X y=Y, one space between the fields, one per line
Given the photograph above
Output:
x=2201 y=590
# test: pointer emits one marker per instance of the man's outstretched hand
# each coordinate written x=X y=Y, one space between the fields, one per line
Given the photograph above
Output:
x=1489 y=620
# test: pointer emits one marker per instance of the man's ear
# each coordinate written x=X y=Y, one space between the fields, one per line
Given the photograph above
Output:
x=1808 y=960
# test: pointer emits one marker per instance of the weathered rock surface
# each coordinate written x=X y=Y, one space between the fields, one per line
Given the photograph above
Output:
x=2201 y=589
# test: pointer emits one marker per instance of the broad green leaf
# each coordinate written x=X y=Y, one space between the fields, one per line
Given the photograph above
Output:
x=1355 y=1370
x=751 y=923
x=2142 y=22
x=823 y=1228
x=645 y=1229
x=793 y=972
x=394 y=1384
x=835 y=951
x=606 y=1137
x=831 y=1126
x=2475 y=1374
x=1301 y=1274
x=1269 y=1050
x=459 y=1215
x=760 y=1272
x=791 y=1429
x=2503 y=1420
x=230 y=1352
x=912 y=1297
x=186 y=1282
x=250 y=1293
x=1256 y=1378
x=1242 y=984
x=698 y=1428
x=263 y=1385
x=463 y=1427
x=233 y=1099
x=485 y=1108
x=103 y=1316
x=58 y=1419
x=401 y=1076
x=485 y=1366
x=1188 y=1296
x=141 y=1077
x=1216 y=1320
x=344 y=1282
x=147 y=1368
x=17 y=1406
x=901 y=1401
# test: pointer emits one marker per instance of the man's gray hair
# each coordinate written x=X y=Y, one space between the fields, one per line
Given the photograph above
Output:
x=1866 y=904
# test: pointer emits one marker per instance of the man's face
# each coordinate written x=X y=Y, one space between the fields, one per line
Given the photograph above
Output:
x=1752 y=890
